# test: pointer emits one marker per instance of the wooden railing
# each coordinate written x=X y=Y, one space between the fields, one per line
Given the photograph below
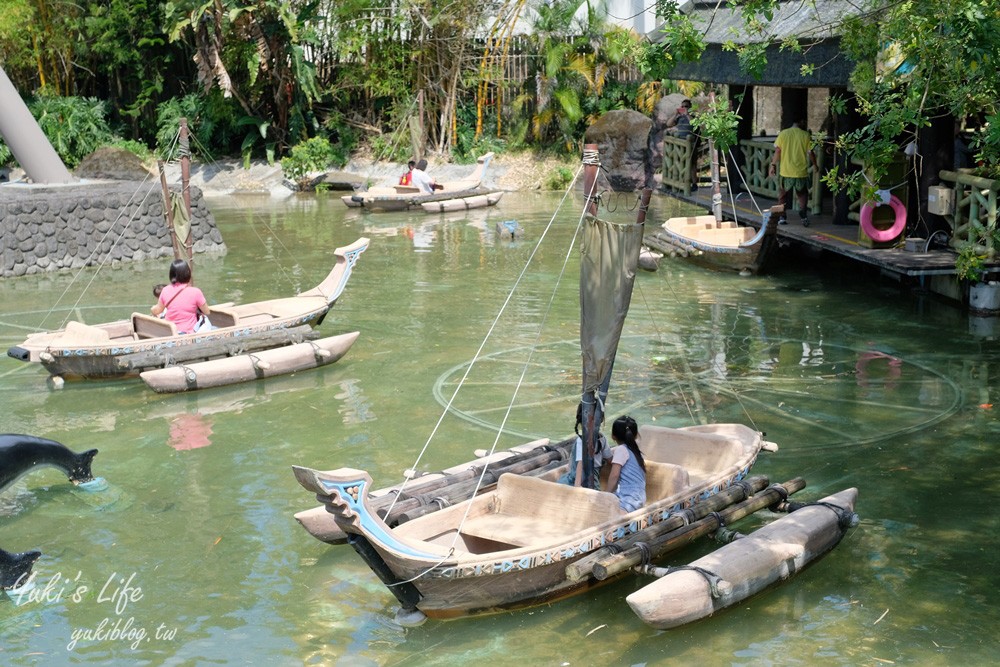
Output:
x=678 y=153
x=974 y=217
x=758 y=154
x=677 y=157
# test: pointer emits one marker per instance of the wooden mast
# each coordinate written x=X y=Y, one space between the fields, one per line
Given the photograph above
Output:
x=593 y=403
x=591 y=164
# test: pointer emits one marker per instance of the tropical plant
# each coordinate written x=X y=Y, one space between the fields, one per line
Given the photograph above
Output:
x=255 y=54
x=558 y=178
x=75 y=126
x=970 y=264
x=574 y=58
x=315 y=154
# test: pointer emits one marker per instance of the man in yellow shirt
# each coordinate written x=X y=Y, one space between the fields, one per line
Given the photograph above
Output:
x=793 y=153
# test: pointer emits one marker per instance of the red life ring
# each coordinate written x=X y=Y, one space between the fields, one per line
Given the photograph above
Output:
x=883 y=235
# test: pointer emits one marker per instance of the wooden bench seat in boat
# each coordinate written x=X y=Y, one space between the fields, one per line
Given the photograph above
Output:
x=147 y=326
x=702 y=454
x=664 y=480
x=727 y=236
x=222 y=317
x=528 y=510
x=78 y=333
x=407 y=189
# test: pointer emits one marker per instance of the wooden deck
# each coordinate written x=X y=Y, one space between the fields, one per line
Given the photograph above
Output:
x=823 y=234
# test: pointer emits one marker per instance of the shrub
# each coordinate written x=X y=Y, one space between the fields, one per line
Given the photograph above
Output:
x=75 y=126
x=558 y=179
x=315 y=154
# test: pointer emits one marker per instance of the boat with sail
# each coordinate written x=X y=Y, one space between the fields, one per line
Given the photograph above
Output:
x=502 y=532
x=128 y=347
x=454 y=195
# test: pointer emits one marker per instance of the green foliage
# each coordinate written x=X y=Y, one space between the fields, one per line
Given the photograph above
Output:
x=316 y=154
x=969 y=264
x=137 y=148
x=558 y=179
x=389 y=147
x=717 y=122
x=212 y=124
x=75 y=126
x=466 y=148
x=569 y=88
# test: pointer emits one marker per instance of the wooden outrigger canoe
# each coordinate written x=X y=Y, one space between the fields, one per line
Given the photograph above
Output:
x=746 y=566
x=720 y=245
x=247 y=367
x=493 y=536
x=511 y=547
x=125 y=348
x=382 y=199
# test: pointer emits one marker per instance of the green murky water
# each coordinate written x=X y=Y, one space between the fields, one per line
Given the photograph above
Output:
x=192 y=552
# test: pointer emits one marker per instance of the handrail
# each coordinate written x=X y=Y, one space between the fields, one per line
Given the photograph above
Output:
x=974 y=217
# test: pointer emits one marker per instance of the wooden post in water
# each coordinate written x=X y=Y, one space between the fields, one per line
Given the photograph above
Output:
x=716 y=191
x=168 y=210
x=185 y=152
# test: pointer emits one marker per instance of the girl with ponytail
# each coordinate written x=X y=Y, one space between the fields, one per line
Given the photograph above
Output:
x=628 y=469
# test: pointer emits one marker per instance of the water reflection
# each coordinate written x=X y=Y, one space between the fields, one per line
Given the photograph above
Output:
x=893 y=395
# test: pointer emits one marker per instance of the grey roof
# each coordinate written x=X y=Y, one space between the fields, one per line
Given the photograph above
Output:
x=806 y=19
x=815 y=22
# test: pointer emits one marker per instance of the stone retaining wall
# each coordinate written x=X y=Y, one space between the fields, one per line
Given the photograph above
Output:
x=48 y=228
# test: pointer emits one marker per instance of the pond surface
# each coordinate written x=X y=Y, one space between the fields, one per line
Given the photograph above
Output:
x=192 y=553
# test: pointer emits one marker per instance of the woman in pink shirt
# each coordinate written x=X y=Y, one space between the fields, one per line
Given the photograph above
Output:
x=182 y=300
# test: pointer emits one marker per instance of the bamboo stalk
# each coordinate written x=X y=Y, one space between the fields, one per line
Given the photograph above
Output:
x=714 y=503
x=675 y=539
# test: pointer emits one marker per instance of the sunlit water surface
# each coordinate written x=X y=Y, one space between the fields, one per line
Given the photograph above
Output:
x=192 y=554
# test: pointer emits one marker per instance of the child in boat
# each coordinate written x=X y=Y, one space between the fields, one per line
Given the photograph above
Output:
x=407 y=178
x=181 y=300
x=627 y=479
x=156 y=295
x=574 y=476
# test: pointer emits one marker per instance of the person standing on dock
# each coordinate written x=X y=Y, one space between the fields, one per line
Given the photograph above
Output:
x=792 y=157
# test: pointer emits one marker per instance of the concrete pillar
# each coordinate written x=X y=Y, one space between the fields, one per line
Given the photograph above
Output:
x=30 y=146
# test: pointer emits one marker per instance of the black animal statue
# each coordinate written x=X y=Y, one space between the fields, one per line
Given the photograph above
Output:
x=19 y=454
x=15 y=569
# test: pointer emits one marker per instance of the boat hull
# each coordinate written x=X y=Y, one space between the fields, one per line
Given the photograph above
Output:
x=125 y=348
x=510 y=548
x=746 y=566
x=247 y=367
x=717 y=245
x=451 y=194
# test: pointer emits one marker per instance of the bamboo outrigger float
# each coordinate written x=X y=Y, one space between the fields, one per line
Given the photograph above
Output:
x=502 y=533
x=125 y=348
x=247 y=367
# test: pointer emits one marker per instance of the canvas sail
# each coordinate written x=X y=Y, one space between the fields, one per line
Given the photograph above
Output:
x=607 y=273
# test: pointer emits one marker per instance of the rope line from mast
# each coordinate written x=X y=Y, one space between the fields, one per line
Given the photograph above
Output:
x=479 y=351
